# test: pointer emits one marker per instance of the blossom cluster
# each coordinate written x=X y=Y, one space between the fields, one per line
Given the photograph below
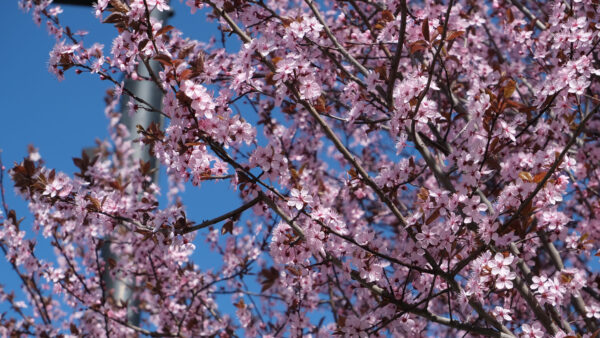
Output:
x=403 y=169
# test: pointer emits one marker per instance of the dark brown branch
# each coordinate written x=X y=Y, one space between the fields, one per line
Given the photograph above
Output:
x=396 y=59
x=223 y=217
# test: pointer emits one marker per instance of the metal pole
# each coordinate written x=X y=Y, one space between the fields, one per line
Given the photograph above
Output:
x=122 y=289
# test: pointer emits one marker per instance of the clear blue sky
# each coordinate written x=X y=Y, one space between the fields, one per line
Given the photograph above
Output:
x=61 y=118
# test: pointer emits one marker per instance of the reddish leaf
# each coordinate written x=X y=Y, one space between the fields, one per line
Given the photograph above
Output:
x=433 y=216
x=417 y=46
x=387 y=15
x=164 y=30
x=294 y=271
x=185 y=74
x=120 y=6
x=143 y=44
x=525 y=176
x=539 y=177
x=509 y=16
x=115 y=18
x=165 y=60
x=74 y=329
x=268 y=278
x=95 y=204
x=509 y=89
x=240 y=304
x=423 y=194
x=454 y=35
x=227 y=228
x=425 y=29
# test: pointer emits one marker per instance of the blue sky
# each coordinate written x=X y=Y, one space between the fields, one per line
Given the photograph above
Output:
x=62 y=118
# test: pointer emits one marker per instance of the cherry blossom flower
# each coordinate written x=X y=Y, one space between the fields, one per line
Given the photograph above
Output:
x=504 y=281
x=532 y=331
x=299 y=198
x=593 y=311
x=502 y=314
x=501 y=264
x=579 y=85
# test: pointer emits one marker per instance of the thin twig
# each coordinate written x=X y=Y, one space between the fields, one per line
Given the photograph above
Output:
x=223 y=217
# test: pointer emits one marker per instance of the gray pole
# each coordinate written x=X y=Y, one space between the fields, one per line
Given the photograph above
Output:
x=120 y=289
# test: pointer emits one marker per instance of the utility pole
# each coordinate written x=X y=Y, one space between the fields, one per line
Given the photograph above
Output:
x=148 y=91
x=122 y=290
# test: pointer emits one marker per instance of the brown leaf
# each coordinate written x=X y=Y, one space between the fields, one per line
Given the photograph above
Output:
x=425 y=29
x=509 y=16
x=423 y=194
x=95 y=204
x=165 y=60
x=411 y=162
x=294 y=271
x=433 y=216
x=269 y=79
x=454 y=35
x=387 y=16
x=378 y=26
x=417 y=46
x=293 y=172
x=115 y=18
x=74 y=329
x=539 y=177
x=164 y=30
x=321 y=105
x=185 y=74
x=119 y=6
x=352 y=172
x=268 y=278
x=514 y=104
x=381 y=70
x=566 y=278
x=240 y=304
x=228 y=7
x=227 y=228
x=145 y=167
x=29 y=167
x=143 y=44
x=509 y=88
x=525 y=176
x=276 y=60
x=526 y=109
x=112 y=263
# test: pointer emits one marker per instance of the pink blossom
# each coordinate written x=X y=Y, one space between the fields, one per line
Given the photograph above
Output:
x=299 y=198
x=579 y=85
x=532 y=331
x=504 y=281
x=501 y=264
x=502 y=314
x=593 y=311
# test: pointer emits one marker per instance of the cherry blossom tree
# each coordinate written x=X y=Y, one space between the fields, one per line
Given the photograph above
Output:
x=404 y=169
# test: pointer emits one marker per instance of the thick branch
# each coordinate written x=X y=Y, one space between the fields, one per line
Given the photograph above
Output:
x=538 y=23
